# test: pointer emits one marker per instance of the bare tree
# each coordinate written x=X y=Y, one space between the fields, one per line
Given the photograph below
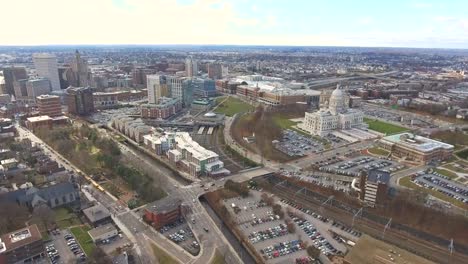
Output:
x=98 y=256
x=12 y=216
x=44 y=215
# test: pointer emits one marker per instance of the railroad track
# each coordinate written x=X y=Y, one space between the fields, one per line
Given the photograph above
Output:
x=417 y=246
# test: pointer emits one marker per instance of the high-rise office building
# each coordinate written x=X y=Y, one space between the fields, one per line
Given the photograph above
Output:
x=203 y=87
x=36 y=87
x=191 y=67
x=157 y=87
x=215 y=71
x=80 y=70
x=46 y=66
x=49 y=105
x=80 y=100
x=12 y=74
x=21 y=88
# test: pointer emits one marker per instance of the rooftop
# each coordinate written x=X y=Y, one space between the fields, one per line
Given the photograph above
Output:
x=96 y=213
x=418 y=142
x=164 y=205
x=100 y=230
x=20 y=238
x=39 y=118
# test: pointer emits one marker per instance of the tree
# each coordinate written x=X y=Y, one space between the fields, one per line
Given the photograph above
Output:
x=12 y=216
x=44 y=215
x=98 y=256
x=313 y=252
x=290 y=226
x=277 y=210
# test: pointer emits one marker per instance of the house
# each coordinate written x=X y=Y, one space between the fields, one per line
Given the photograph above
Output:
x=54 y=195
x=97 y=215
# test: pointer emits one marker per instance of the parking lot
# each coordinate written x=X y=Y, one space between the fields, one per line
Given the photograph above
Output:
x=275 y=239
x=353 y=166
x=442 y=184
x=64 y=248
x=294 y=144
x=180 y=233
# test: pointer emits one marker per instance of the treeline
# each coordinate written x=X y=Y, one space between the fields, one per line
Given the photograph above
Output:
x=99 y=156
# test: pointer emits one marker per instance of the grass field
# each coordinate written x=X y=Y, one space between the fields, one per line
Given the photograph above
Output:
x=455 y=168
x=406 y=182
x=378 y=151
x=162 y=256
x=369 y=251
x=81 y=235
x=218 y=258
x=462 y=154
x=447 y=173
x=283 y=122
x=384 y=127
x=232 y=106
x=65 y=217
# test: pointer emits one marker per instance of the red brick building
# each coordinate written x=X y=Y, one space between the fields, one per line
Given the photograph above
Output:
x=49 y=105
x=166 y=108
x=163 y=212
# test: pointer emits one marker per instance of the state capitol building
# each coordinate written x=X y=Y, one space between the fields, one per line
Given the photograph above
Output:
x=336 y=116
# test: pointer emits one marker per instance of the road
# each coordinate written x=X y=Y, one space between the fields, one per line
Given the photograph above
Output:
x=139 y=232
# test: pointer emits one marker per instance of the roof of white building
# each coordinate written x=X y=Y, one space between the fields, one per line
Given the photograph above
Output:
x=419 y=143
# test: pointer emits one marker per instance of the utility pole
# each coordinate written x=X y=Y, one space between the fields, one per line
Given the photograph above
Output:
x=386 y=227
x=330 y=199
x=358 y=213
x=298 y=192
x=451 y=248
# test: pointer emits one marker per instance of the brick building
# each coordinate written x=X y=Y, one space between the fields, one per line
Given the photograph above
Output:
x=80 y=100
x=49 y=105
x=163 y=212
x=165 y=108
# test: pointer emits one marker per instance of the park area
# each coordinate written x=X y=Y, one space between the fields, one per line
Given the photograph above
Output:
x=369 y=250
x=231 y=106
x=101 y=158
x=384 y=127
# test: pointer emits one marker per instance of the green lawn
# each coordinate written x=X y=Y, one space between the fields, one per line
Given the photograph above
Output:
x=447 y=173
x=218 y=258
x=406 y=181
x=81 y=235
x=454 y=168
x=462 y=154
x=162 y=256
x=64 y=217
x=384 y=127
x=283 y=122
x=378 y=151
x=232 y=106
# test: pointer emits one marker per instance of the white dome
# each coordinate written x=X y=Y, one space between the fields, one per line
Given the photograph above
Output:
x=210 y=114
x=338 y=92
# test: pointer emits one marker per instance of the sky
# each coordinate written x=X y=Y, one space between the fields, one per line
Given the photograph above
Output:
x=369 y=23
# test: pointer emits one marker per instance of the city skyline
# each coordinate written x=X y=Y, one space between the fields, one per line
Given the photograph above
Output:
x=414 y=24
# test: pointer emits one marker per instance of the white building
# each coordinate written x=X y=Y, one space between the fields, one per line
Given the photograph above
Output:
x=191 y=67
x=337 y=116
x=181 y=149
x=46 y=66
